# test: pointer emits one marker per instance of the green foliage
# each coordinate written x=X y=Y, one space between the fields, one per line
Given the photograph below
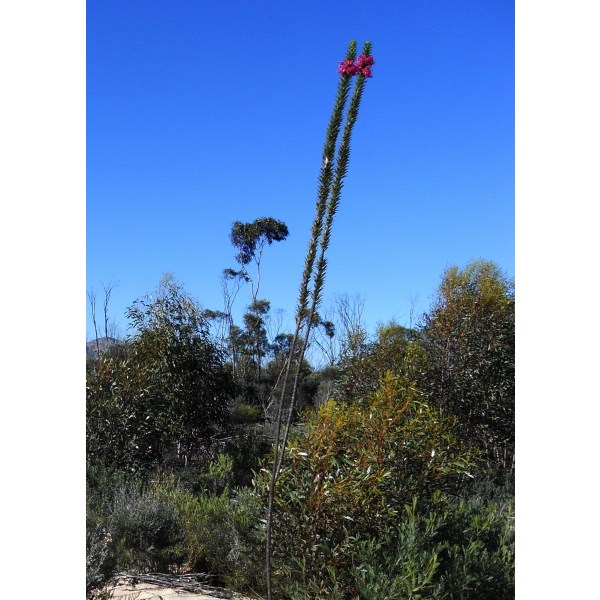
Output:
x=360 y=370
x=461 y=358
x=353 y=471
x=118 y=431
x=468 y=338
x=244 y=413
x=161 y=526
x=250 y=238
x=247 y=448
x=401 y=564
x=460 y=549
x=398 y=565
x=98 y=566
x=375 y=498
x=308 y=381
x=146 y=530
x=208 y=530
x=477 y=555
x=457 y=549
x=219 y=530
x=171 y=388
x=218 y=477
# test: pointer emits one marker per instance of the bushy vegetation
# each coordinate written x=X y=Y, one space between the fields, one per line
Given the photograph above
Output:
x=163 y=527
x=468 y=339
x=395 y=486
x=167 y=392
x=367 y=506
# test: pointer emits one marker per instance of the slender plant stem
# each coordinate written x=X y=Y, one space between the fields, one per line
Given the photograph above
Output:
x=328 y=195
x=341 y=170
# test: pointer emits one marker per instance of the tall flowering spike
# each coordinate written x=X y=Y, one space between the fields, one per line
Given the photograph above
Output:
x=333 y=171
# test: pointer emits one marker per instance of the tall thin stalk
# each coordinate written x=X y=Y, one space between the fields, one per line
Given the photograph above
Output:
x=328 y=197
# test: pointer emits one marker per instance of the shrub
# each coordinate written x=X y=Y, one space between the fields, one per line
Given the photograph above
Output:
x=146 y=529
x=217 y=478
x=220 y=532
x=245 y=413
x=170 y=388
x=351 y=474
x=477 y=561
x=359 y=373
x=247 y=557
x=97 y=560
x=457 y=550
x=247 y=449
x=161 y=526
x=468 y=337
x=402 y=564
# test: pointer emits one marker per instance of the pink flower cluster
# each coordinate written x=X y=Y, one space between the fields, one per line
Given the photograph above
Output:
x=361 y=66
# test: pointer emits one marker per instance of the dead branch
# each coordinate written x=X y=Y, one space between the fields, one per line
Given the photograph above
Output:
x=190 y=582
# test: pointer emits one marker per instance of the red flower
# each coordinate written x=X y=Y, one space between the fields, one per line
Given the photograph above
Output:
x=365 y=61
x=347 y=67
x=362 y=65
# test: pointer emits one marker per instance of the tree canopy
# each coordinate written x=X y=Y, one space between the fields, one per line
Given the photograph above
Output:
x=250 y=238
x=469 y=341
x=170 y=389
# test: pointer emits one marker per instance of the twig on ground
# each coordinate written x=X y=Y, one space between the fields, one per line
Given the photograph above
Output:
x=188 y=582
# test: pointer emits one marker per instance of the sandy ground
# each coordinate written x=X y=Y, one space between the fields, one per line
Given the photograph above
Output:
x=125 y=590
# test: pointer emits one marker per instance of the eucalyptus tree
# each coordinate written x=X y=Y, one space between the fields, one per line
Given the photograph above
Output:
x=169 y=391
x=391 y=349
x=469 y=340
x=250 y=239
x=248 y=346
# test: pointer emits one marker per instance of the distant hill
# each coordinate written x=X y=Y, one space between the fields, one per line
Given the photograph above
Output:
x=104 y=343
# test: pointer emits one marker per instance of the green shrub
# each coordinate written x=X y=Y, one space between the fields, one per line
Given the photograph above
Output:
x=478 y=557
x=245 y=414
x=457 y=550
x=247 y=449
x=461 y=550
x=229 y=465
x=160 y=525
x=220 y=533
x=247 y=558
x=217 y=477
x=102 y=483
x=208 y=531
x=350 y=475
x=168 y=392
x=97 y=561
x=102 y=487
x=402 y=564
x=468 y=339
x=146 y=529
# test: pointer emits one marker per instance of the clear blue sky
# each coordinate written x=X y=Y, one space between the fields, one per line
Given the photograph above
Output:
x=203 y=113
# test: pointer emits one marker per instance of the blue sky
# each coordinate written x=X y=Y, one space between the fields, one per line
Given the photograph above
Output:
x=202 y=113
